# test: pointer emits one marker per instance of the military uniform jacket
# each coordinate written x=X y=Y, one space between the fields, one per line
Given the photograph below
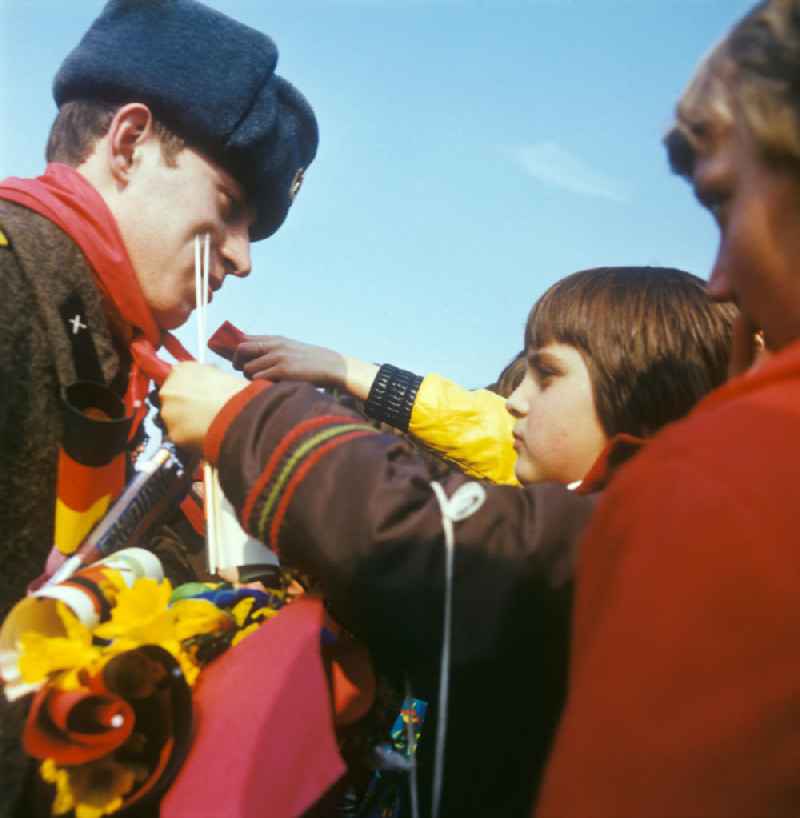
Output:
x=49 y=304
x=355 y=508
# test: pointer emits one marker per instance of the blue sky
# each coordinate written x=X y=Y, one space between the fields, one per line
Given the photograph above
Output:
x=471 y=153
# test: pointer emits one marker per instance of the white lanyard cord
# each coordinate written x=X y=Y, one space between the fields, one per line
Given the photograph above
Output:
x=466 y=500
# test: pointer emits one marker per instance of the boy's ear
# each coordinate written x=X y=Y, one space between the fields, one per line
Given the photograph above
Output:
x=131 y=126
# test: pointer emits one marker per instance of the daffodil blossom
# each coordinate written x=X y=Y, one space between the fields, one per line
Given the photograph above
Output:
x=92 y=790
x=43 y=656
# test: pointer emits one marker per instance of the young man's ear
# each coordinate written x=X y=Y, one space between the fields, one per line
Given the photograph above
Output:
x=131 y=126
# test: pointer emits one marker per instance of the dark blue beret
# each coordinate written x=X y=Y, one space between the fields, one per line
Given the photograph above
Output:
x=209 y=78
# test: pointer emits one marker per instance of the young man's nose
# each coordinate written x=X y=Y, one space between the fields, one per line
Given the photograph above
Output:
x=236 y=258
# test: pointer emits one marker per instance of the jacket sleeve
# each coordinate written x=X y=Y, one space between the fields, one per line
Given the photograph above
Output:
x=472 y=428
x=355 y=508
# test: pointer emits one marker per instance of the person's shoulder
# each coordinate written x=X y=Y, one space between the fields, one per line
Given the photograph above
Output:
x=42 y=254
x=23 y=228
x=733 y=457
x=13 y=278
x=751 y=415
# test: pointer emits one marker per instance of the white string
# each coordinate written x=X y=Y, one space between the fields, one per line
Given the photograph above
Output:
x=210 y=499
x=198 y=302
x=206 y=253
x=466 y=500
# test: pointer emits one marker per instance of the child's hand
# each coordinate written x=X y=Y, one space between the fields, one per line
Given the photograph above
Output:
x=282 y=359
x=191 y=397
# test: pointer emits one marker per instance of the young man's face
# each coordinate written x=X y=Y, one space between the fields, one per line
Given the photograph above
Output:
x=162 y=211
x=757 y=209
x=557 y=435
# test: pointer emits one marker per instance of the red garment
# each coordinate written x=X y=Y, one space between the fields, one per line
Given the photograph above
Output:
x=684 y=692
x=264 y=742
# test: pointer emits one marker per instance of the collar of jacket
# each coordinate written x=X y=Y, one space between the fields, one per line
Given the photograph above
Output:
x=618 y=450
x=779 y=367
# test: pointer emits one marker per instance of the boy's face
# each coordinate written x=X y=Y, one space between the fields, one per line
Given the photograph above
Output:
x=162 y=210
x=557 y=435
x=757 y=209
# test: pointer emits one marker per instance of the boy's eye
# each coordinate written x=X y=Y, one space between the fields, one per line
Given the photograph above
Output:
x=543 y=373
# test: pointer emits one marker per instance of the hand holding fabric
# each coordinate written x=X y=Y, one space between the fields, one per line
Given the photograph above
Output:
x=276 y=358
x=191 y=397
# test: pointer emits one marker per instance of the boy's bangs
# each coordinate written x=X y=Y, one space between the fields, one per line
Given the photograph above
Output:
x=563 y=314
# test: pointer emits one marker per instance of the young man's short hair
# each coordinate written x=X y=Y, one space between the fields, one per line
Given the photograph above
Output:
x=80 y=123
x=653 y=341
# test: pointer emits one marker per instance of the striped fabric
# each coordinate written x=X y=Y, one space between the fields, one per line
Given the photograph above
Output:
x=302 y=448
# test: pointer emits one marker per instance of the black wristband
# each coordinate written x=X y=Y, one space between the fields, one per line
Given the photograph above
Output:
x=392 y=395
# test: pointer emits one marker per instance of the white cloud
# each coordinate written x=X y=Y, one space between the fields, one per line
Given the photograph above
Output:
x=551 y=163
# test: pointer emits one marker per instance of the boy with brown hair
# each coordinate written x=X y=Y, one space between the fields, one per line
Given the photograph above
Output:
x=357 y=509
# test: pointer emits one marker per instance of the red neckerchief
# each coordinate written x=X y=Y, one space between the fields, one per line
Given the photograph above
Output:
x=68 y=200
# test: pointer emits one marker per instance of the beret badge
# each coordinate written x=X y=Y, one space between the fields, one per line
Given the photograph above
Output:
x=296 y=184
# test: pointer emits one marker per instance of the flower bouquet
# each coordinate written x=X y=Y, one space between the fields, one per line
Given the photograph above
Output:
x=108 y=659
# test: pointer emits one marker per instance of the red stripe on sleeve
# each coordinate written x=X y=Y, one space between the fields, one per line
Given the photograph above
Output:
x=298 y=477
x=277 y=455
x=226 y=416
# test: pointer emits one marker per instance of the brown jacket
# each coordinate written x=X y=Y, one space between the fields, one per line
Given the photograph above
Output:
x=41 y=270
x=354 y=507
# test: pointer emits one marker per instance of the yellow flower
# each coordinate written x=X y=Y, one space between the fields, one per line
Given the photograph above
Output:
x=41 y=656
x=196 y=616
x=190 y=669
x=92 y=790
x=63 y=801
x=241 y=609
x=265 y=613
x=245 y=632
x=141 y=615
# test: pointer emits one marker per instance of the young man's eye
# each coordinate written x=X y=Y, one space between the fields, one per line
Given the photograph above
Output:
x=230 y=208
